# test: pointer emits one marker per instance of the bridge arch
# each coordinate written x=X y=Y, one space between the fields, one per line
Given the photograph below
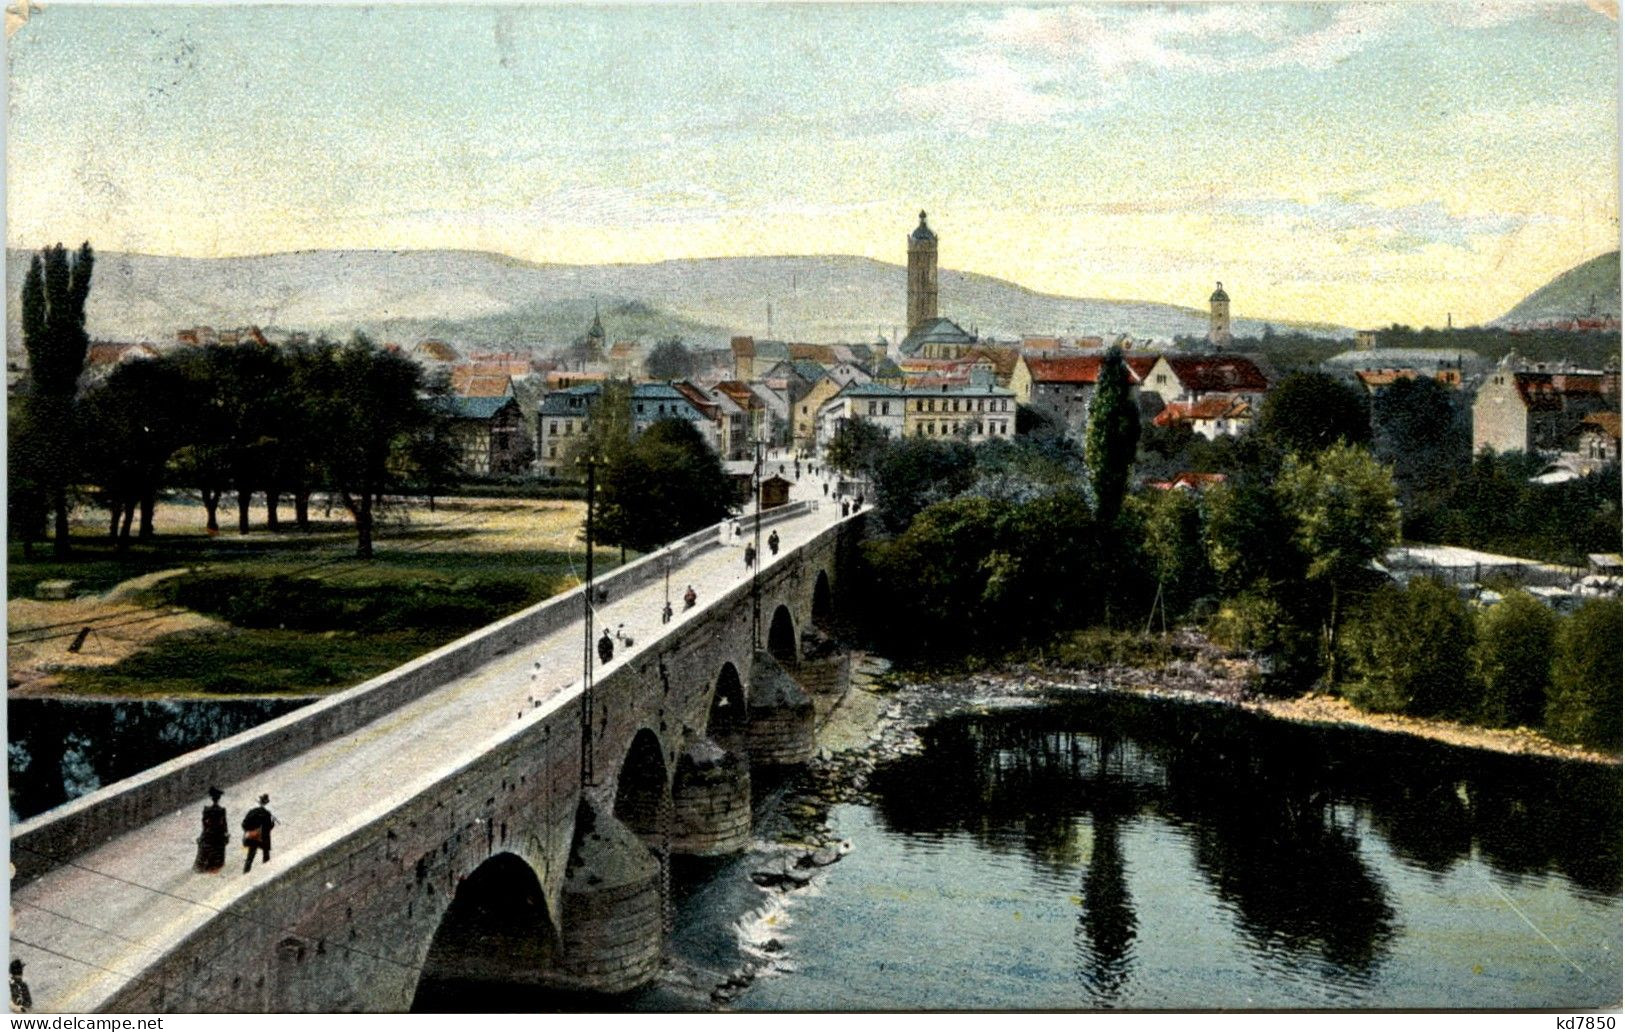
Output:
x=781 y=636
x=727 y=717
x=823 y=606
x=497 y=928
x=642 y=789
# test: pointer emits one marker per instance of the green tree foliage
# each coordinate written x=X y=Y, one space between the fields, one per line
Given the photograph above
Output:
x=1513 y=660
x=132 y=423
x=666 y=484
x=1495 y=507
x=1584 y=703
x=1343 y=512
x=608 y=433
x=372 y=410
x=1309 y=412
x=669 y=359
x=54 y=293
x=1022 y=468
x=856 y=447
x=1423 y=433
x=1112 y=436
x=1174 y=546
x=1409 y=652
x=916 y=472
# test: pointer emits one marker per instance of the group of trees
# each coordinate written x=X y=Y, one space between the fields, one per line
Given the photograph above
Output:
x=1422 y=650
x=1281 y=559
x=351 y=419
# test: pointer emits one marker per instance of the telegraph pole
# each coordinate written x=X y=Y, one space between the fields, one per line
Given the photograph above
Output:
x=755 y=583
x=587 y=642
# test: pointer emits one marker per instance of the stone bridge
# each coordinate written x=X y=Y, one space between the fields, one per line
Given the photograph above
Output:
x=433 y=822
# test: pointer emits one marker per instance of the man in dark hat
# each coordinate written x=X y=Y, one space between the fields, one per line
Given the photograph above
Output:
x=689 y=598
x=750 y=556
x=606 y=648
x=257 y=825
x=211 y=845
x=21 y=998
x=773 y=542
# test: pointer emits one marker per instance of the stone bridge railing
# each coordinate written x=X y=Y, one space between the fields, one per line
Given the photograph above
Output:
x=81 y=825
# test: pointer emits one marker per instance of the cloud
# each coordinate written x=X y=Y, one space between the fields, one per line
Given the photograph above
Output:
x=990 y=90
x=1353 y=28
x=1405 y=228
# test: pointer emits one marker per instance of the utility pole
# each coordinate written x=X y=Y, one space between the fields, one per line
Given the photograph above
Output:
x=587 y=642
x=755 y=582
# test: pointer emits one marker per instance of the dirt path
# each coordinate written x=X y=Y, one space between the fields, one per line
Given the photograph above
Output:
x=41 y=635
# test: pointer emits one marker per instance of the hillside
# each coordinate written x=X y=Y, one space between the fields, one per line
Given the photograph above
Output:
x=1570 y=294
x=488 y=300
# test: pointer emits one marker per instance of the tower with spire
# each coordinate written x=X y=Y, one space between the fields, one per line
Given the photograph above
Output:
x=922 y=275
x=1218 y=318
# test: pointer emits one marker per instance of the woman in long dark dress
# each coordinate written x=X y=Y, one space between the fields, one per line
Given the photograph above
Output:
x=211 y=845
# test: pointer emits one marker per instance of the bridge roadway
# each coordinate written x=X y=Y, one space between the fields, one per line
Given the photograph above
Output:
x=88 y=928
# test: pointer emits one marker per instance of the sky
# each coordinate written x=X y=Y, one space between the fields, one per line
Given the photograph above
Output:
x=1359 y=164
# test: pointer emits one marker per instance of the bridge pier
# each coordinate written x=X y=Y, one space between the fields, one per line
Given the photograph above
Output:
x=781 y=731
x=611 y=922
x=711 y=801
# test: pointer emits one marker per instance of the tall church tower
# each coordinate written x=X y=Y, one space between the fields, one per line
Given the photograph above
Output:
x=922 y=275
x=1218 y=318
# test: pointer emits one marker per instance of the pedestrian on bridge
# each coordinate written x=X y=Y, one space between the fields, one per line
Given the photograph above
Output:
x=846 y=507
x=606 y=648
x=22 y=1001
x=750 y=556
x=826 y=489
x=773 y=542
x=665 y=613
x=257 y=825
x=689 y=598
x=211 y=844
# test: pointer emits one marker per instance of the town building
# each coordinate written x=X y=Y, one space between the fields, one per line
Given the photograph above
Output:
x=489 y=432
x=1218 y=318
x=1218 y=415
x=1537 y=410
x=922 y=276
x=1061 y=387
x=804 y=421
x=1187 y=377
x=973 y=412
x=873 y=402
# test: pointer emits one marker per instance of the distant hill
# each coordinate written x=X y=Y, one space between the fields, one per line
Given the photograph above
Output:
x=1571 y=294
x=478 y=299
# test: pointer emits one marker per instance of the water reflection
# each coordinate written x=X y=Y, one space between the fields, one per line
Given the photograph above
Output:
x=60 y=749
x=1274 y=816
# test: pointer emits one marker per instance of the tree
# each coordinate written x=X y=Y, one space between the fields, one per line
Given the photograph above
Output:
x=1309 y=412
x=1112 y=436
x=1410 y=652
x=1514 y=660
x=1344 y=517
x=53 y=322
x=1420 y=431
x=915 y=472
x=856 y=446
x=1173 y=545
x=131 y=423
x=373 y=411
x=667 y=484
x=1584 y=702
x=669 y=359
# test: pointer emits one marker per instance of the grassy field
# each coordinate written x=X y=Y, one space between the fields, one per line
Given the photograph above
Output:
x=287 y=613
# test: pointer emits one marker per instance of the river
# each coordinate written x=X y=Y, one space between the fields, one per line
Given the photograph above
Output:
x=1094 y=852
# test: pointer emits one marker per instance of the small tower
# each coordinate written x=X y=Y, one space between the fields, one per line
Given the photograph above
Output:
x=922 y=275
x=1218 y=318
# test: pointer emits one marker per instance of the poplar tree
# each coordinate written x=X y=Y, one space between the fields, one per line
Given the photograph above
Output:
x=53 y=321
x=1112 y=436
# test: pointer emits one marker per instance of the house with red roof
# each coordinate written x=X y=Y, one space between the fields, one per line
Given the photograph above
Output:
x=1176 y=376
x=1540 y=410
x=1060 y=386
x=1219 y=415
